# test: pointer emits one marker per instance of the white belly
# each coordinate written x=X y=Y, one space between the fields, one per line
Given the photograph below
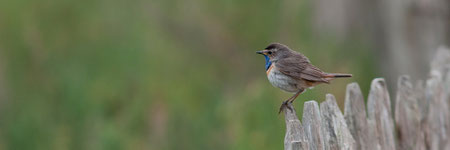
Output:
x=282 y=81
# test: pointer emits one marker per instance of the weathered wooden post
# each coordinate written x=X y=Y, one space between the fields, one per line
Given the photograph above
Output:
x=355 y=116
x=312 y=125
x=379 y=115
x=336 y=134
x=295 y=137
x=437 y=94
x=407 y=117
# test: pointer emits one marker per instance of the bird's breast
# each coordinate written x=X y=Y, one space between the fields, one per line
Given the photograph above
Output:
x=282 y=81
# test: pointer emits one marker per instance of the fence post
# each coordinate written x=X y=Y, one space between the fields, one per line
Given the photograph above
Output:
x=336 y=133
x=295 y=138
x=356 y=117
x=312 y=125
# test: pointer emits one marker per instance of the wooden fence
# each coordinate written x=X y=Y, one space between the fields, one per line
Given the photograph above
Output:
x=417 y=119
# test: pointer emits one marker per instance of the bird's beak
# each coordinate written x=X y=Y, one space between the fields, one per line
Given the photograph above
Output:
x=263 y=52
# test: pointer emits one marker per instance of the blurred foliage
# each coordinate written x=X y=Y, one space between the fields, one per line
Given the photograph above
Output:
x=172 y=74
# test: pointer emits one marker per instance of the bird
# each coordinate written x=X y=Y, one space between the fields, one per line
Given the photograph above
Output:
x=292 y=71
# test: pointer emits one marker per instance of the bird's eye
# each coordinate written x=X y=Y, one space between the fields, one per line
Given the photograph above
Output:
x=269 y=52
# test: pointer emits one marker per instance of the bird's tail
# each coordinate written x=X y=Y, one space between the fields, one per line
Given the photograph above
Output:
x=338 y=75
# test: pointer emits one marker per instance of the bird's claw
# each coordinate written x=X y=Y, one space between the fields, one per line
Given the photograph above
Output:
x=284 y=105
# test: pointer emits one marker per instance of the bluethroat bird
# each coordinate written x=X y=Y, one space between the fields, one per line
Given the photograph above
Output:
x=292 y=72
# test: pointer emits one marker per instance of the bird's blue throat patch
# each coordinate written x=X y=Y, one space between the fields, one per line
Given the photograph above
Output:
x=268 y=63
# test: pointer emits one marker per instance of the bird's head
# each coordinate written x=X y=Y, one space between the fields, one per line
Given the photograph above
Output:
x=274 y=51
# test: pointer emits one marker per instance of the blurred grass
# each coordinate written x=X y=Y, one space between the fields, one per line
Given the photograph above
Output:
x=156 y=74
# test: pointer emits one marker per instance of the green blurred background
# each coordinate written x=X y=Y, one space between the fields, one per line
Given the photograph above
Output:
x=173 y=74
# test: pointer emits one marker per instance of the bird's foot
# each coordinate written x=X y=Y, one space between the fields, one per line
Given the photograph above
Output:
x=284 y=105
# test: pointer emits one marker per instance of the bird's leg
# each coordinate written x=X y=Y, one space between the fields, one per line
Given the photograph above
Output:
x=284 y=105
x=296 y=95
x=290 y=100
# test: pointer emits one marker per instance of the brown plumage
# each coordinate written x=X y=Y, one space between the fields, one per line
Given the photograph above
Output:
x=299 y=67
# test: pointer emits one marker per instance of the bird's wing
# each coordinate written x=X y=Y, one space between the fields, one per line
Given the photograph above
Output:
x=299 y=67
